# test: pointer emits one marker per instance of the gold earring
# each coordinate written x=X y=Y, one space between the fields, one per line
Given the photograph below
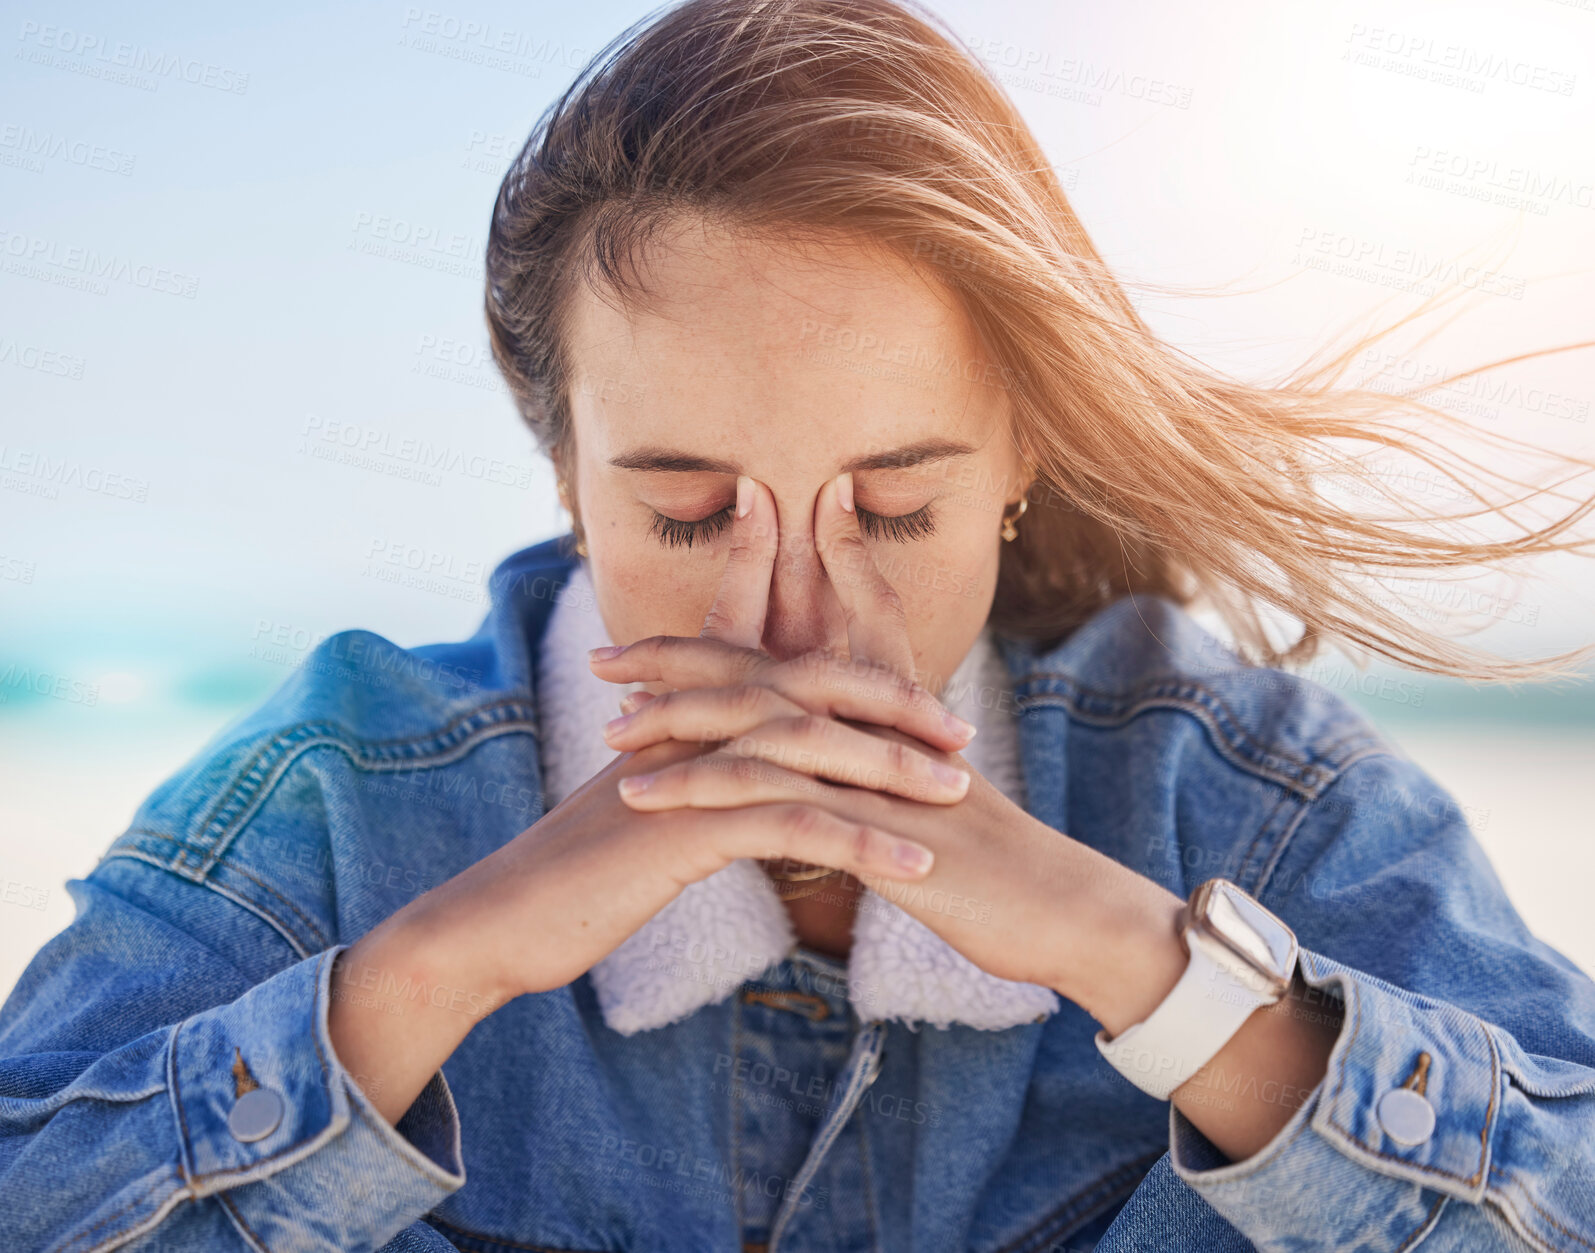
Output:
x=1008 y=531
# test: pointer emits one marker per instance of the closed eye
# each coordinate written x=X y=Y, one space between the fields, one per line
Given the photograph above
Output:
x=675 y=533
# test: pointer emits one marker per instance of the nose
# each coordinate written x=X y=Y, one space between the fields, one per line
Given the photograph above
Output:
x=803 y=613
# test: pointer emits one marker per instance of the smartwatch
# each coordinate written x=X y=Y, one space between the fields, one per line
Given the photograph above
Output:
x=1242 y=958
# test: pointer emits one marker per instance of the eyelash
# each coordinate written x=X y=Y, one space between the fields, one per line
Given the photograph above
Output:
x=674 y=533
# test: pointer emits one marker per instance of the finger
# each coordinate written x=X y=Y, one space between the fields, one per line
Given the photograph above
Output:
x=724 y=780
x=820 y=681
x=792 y=833
x=737 y=615
x=634 y=701
x=877 y=625
x=721 y=781
x=809 y=744
x=678 y=661
x=699 y=715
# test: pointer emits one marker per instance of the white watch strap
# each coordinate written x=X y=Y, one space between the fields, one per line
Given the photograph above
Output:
x=1191 y=1024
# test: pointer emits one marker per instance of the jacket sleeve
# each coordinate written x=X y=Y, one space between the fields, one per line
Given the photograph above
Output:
x=1458 y=1108
x=167 y=1081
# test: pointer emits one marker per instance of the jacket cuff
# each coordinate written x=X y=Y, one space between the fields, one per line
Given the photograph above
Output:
x=1356 y=1162
x=257 y=1087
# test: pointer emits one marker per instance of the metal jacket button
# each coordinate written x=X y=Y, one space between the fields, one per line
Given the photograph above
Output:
x=1407 y=1117
x=255 y=1115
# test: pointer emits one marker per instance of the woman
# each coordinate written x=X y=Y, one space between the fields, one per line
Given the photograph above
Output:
x=942 y=885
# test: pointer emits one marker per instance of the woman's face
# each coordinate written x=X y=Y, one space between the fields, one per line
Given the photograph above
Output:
x=789 y=366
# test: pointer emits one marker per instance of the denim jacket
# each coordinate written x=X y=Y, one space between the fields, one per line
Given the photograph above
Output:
x=167 y=1081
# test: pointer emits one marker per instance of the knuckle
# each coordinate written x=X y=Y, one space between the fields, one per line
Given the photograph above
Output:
x=664 y=645
x=654 y=755
x=900 y=759
x=743 y=549
x=660 y=709
x=748 y=768
x=748 y=700
x=813 y=665
x=802 y=824
x=863 y=844
x=904 y=691
x=814 y=727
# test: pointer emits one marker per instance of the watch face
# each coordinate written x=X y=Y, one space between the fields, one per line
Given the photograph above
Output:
x=1247 y=929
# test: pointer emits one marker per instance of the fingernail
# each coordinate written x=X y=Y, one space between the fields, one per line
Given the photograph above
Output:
x=844 y=490
x=606 y=653
x=634 y=783
x=952 y=776
x=744 y=495
x=610 y=728
x=958 y=726
x=913 y=857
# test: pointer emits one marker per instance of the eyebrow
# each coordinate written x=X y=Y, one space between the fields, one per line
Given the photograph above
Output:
x=670 y=460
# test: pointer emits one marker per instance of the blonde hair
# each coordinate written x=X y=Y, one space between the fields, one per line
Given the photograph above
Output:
x=1155 y=473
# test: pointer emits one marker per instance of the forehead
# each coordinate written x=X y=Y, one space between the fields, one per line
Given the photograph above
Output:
x=748 y=336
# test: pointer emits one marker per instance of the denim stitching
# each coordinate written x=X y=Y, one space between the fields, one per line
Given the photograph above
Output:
x=249 y=1232
x=1511 y=1191
x=1082 y=1206
x=1180 y=690
x=869 y=1186
x=236 y=807
x=294 y=941
x=1423 y=1227
x=373 y=755
x=133 y=1204
x=1258 y=840
x=1227 y=746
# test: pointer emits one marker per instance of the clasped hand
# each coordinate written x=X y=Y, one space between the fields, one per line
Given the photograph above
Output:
x=855 y=735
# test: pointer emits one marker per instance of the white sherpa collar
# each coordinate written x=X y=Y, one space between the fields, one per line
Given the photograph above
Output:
x=730 y=927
